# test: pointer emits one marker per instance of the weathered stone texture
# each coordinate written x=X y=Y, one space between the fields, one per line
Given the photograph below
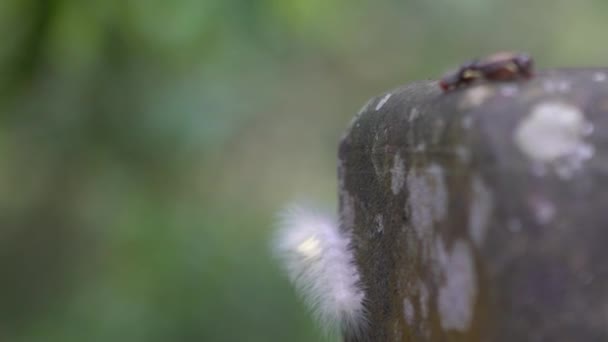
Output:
x=482 y=214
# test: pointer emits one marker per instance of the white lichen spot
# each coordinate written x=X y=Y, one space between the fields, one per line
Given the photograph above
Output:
x=419 y=200
x=551 y=131
x=439 y=258
x=408 y=312
x=480 y=212
x=476 y=96
x=427 y=198
x=567 y=167
x=379 y=223
x=553 y=134
x=440 y=192
x=509 y=90
x=457 y=296
x=383 y=101
x=414 y=113
x=420 y=147
x=378 y=161
x=586 y=151
x=397 y=174
x=599 y=77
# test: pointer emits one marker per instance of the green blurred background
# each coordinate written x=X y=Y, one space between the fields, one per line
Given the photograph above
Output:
x=146 y=145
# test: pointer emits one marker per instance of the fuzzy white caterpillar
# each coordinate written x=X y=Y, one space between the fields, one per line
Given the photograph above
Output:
x=320 y=263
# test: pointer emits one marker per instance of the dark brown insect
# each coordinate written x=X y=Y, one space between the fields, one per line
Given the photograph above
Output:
x=502 y=66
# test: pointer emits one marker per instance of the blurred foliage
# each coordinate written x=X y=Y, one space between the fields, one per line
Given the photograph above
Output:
x=145 y=145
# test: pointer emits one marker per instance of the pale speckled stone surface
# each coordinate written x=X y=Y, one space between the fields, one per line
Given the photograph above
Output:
x=467 y=225
x=457 y=295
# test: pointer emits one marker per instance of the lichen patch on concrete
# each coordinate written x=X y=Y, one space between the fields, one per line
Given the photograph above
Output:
x=383 y=101
x=553 y=133
x=408 y=311
x=457 y=295
x=378 y=160
x=427 y=198
x=420 y=198
x=440 y=192
x=482 y=203
x=414 y=114
x=439 y=258
x=397 y=174
x=379 y=220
